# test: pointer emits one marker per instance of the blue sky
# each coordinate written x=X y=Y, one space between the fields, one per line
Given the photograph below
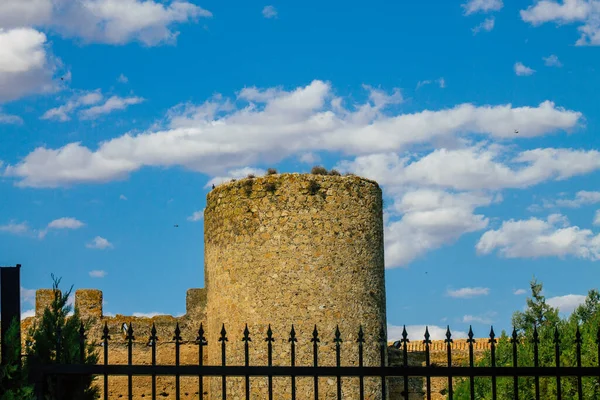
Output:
x=479 y=119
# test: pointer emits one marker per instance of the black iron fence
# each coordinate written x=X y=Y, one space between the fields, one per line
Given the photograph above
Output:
x=404 y=371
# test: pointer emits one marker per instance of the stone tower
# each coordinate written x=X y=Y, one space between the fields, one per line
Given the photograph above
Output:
x=302 y=249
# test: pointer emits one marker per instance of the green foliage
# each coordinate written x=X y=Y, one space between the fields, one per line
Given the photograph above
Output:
x=547 y=323
x=45 y=338
x=271 y=171
x=13 y=378
x=334 y=172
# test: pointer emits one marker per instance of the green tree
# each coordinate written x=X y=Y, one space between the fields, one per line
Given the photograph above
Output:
x=543 y=321
x=58 y=331
x=13 y=378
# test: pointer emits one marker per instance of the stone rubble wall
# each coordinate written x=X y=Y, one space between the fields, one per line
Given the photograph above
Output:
x=296 y=249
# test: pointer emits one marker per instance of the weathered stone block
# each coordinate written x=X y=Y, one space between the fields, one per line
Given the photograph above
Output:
x=89 y=303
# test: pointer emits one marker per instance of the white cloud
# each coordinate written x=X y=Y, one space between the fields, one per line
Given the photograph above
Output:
x=534 y=238
x=567 y=303
x=586 y=13
x=66 y=223
x=62 y=113
x=104 y=21
x=10 y=119
x=97 y=274
x=519 y=292
x=122 y=197
x=441 y=83
x=430 y=219
x=27 y=295
x=417 y=332
x=196 y=216
x=99 y=243
x=15 y=228
x=310 y=158
x=477 y=167
x=487 y=25
x=468 y=292
x=269 y=12
x=597 y=218
x=28 y=314
x=483 y=6
x=147 y=315
x=486 y=318
x=552 y=61
x=122 y=79
x=235 y=174
x=61 y=223
x=25 y=65
x=522 y=70
x=112 y=104
x=275 y=124
x=582 y=198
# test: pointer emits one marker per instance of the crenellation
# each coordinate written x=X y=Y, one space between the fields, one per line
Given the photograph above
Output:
x=89 y=303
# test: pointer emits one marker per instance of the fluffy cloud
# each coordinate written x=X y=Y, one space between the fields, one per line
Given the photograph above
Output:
x=552 y=61
x=519 y=292
x=274 y=124
x=112 y=104
x=586 y=13
x=430 y=219
x=269 y=12
x=417 y=332
x=99 y=243
x=475 y=168
x=483 y=6
x=487 y=25
x=97 y=274
x=196 y=216
x=103 y=21
x=61 y=223
x=25 y=65
x=10 y=119
x=15 y=228
x=63 y=112
x=597 y=218
x=567 y=303
x=486 y=318
x=441 y=83
x=122 y=79
x=468 y=292
x=582 y=198
x=534 y=238
x=522 y=70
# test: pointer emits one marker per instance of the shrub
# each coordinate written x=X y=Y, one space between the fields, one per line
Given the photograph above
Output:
x=313 y=187
x=251 y=176
x=318 y=170
x=13 y=378
x=270 y=187
x=44 y=343
x=248 y=186
x=271 y=171
x=335 y=172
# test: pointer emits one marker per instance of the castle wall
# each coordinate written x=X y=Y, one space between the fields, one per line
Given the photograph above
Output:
x=277 y=252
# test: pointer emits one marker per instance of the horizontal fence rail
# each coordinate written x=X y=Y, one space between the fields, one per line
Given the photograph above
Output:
x=43 y=374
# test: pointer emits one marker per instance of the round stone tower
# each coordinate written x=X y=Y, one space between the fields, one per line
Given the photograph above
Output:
x=298 y=249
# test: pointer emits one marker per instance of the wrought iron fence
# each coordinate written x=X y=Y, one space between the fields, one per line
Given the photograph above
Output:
x=293 y=371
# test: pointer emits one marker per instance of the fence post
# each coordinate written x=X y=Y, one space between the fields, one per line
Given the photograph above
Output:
x=10 y=299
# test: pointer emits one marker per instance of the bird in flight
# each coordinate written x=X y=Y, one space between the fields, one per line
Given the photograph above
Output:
x=176 y=226
x=516 y=131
